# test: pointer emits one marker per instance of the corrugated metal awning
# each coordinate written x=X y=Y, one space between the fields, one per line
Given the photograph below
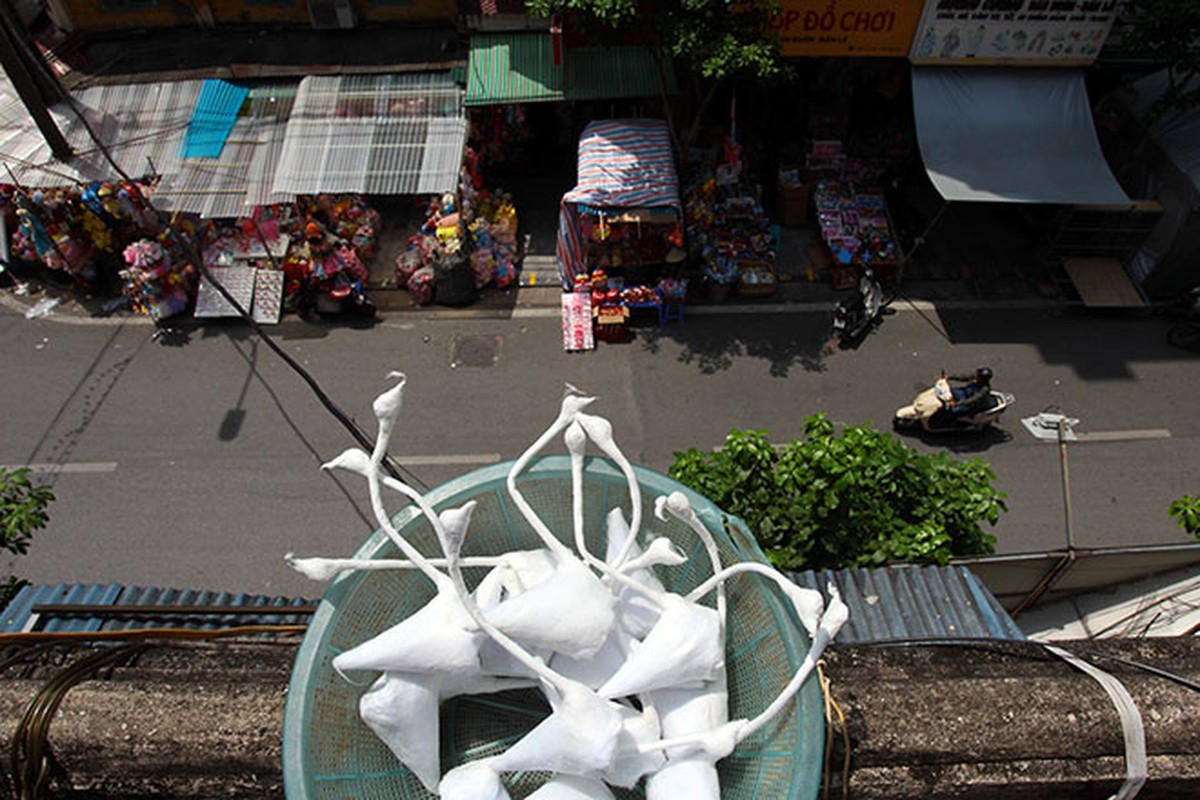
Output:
x=512 y=68
x=92 y=607
x=906 y=603
x=602 y=73
x=519 y=68
x=375 y=134
x=240 y=178
x=141 y=124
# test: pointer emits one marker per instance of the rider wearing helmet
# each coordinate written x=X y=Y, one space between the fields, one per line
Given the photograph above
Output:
x=971 y=392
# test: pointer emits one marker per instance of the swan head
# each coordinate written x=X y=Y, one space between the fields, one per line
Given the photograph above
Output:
x=352 y=460
x=837 y=613
x=455 y=522
x=318 y=569
x=387 y=405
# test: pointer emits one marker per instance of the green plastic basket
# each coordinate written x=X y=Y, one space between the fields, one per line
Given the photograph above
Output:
x=329 y=753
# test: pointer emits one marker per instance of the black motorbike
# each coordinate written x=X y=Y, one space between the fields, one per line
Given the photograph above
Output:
x=1185 y=335
x=854 y=316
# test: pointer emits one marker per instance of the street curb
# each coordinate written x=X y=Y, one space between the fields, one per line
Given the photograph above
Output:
x=542 y=302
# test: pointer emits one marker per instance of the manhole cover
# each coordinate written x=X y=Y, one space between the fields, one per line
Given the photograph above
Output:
x=475 y=351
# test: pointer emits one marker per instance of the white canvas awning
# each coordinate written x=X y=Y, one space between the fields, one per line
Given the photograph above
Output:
x=1015 y=135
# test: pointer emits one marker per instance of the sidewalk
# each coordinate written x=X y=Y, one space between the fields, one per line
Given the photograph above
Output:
x=538 y=293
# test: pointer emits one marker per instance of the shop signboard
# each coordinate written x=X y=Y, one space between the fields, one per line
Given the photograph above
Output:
x=846 y=27
x=1012 y=32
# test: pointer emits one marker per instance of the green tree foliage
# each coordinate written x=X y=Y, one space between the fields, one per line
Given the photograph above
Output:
x=712 y=39
x=1186 y=511
x=859 y=499
x=22 y=511
x=1168 y=31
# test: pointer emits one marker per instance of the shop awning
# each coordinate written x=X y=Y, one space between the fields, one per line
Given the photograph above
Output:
x=625 y=165
x=142 y=125
x=519 y=68
x=374 y=134
x=1016 y=135
x=240 y=176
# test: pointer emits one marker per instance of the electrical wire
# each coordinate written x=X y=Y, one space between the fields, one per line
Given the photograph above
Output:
x=831 y=709
x=32 y=764
x=31 y=759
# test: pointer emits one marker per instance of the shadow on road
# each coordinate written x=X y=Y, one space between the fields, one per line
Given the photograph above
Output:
x=965 y=442
x=786 y=342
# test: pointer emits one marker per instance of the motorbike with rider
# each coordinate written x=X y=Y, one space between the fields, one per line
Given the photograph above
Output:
x=955 y=403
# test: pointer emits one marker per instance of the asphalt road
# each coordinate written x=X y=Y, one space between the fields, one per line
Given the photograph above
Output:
x=196 y=464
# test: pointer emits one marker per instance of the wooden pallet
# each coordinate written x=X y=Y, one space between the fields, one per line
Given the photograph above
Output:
x=1102 y=282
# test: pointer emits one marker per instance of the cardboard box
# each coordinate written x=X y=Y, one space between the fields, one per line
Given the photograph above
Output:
x=792 y=203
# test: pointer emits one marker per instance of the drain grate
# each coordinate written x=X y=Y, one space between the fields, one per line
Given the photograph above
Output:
x=475 y=351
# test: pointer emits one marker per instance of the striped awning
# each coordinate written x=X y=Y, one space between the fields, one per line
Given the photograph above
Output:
x=624 y=164
x=520 y=68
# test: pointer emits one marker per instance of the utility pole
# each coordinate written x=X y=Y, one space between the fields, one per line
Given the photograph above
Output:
x=30 y=78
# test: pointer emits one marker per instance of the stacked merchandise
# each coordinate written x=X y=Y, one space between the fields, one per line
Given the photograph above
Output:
x=465 y=243
x=732 y=239
x=853 y=220
x=78 y=233
x=331 y=237
x=159 y=285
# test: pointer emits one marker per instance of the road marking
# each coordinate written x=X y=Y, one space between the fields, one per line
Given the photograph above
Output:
x=1122 y=436
x=80 y=466
x=465 y=458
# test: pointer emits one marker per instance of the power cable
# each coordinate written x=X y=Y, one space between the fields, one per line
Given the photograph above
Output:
x=31 y=759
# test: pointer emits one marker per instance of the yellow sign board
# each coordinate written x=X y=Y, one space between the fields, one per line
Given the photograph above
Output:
x=847 y=27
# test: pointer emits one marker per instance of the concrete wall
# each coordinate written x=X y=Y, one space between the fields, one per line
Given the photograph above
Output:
x=113 y=15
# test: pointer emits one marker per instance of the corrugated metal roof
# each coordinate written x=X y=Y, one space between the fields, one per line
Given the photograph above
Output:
x=241 y=177
x=519 y=67
x=115 y=607
x=601 y=73
x=140 y=123
x=212 y=119
x=914 y=603
x=512 y=68
x=376 y=134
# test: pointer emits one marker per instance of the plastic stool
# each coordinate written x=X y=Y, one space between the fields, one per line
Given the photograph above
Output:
x=670 y=310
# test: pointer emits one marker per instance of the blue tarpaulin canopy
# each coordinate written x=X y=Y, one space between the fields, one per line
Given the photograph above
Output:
x=212 y=120
x=625 y=166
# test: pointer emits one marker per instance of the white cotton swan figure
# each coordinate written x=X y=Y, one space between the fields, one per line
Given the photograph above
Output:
x=572 y=787
x=572 y=611
x=583 y=735
x=540 y=610
x=718 y=743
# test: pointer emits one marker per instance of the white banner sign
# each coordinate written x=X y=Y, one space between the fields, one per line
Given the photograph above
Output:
x=1013 y=32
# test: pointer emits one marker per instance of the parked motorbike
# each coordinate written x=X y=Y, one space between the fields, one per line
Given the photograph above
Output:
x=337 y=296
x=1185 y=335
x=929 y=412
x=857 y=314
